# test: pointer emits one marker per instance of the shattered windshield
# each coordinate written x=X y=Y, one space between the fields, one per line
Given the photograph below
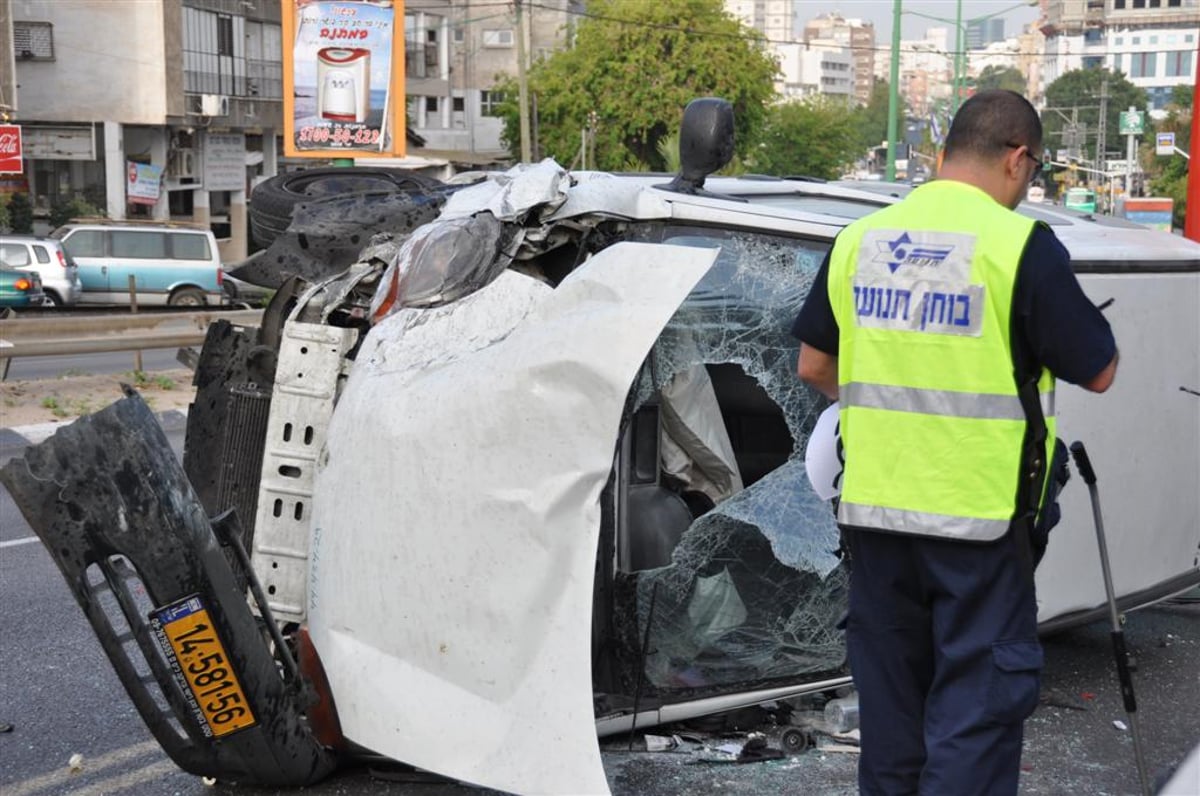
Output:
x=752 y=591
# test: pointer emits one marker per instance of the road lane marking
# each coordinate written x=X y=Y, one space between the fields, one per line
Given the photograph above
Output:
x=90 y=765
x=106 y=787
x=15 y=542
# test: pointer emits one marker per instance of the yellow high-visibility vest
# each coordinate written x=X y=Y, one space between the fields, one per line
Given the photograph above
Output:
x=932 y=419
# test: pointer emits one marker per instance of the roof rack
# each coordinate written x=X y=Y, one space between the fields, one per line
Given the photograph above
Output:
x=133 y=222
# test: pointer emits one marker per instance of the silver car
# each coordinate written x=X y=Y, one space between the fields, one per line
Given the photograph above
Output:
x=46 y=257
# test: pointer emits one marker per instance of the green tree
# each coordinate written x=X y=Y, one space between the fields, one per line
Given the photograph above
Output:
x=1078 y=92
x=633 y=68
x=1169 y=174
x=872 y=118
x=817 y=137
x=1006 y=77
x=20 y=214
x=1181 y=96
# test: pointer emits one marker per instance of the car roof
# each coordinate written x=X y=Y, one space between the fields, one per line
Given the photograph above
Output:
x=28 y=238
x=823 y=207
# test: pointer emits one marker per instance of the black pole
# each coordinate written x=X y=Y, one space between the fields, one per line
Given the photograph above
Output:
x=1120 y=652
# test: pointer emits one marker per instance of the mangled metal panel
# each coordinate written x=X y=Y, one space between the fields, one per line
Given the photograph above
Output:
x=310 y=359
x=463 y=579
x=754 y=591
x=509 y=196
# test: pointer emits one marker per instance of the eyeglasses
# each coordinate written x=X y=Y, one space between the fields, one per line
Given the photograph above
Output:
x=1038 y=162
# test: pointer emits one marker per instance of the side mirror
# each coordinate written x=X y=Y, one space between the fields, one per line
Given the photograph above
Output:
x=705 y=142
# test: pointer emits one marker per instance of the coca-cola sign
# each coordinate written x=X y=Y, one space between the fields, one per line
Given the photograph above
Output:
x=10 y=149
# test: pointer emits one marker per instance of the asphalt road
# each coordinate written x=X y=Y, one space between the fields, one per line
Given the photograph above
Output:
x=60 y=693
x=90 y=364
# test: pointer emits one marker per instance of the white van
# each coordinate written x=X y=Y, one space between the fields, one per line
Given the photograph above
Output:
x=169 y=263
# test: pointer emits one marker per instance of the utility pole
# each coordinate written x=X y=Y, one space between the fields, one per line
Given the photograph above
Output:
x=893 y=93
x=523 y=83
x=1130 y=150
x=1101 y=132
x=959 y=43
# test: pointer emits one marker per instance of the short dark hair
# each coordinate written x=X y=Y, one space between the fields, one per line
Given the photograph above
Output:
x=991 y=122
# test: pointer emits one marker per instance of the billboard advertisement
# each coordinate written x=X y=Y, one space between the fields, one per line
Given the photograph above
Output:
x=10 y=149
x=343 y=73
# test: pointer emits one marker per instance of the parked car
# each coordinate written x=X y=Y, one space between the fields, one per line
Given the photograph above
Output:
x=20 y=288
x=171 y=264
x=534 y=472
x=59 y=274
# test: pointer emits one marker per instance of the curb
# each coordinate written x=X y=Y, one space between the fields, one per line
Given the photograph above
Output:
x=15 y=440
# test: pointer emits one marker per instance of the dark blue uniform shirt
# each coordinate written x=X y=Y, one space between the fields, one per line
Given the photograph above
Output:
x=1055 y=325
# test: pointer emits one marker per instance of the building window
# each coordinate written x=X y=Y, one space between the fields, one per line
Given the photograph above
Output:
x=230 y=55
x=1143 y=64
x=1137 y=40
x=1118 y=63
x=224 y=34
x=33 y=41
x=498 y=38
x=431 y=104
x=1174 y=3
x=1093 y=62
x=1154 y=40
x=1179 y=63
x=489 y=102
x=457 y=104
x=1118 y=5
x=459 y=36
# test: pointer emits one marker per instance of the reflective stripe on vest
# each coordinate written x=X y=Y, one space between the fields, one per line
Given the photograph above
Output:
x=939 y=402
x=932 y=423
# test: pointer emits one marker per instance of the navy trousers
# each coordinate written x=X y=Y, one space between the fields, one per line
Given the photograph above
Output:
x=943 y=649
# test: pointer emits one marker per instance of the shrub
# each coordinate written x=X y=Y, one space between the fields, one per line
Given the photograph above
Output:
x=20 y=214
x=74 y=208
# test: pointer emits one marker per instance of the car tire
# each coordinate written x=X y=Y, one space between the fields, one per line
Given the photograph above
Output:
x=186 y=297
x=53 y=301
x=273 y=200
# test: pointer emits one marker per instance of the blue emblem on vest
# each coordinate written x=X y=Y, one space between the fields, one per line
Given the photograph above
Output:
x=901 y=251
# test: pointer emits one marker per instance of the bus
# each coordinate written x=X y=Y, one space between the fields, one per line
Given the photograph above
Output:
x=1081 y=199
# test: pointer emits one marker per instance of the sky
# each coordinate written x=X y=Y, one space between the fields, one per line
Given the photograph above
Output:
x=913 y=27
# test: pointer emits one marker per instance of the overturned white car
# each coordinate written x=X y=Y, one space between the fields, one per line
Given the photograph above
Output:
x=535 y=471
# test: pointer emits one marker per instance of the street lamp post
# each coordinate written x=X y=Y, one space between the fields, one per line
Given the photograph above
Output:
x=893 y=92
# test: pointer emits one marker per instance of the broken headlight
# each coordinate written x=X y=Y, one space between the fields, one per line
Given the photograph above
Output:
x=440 y=263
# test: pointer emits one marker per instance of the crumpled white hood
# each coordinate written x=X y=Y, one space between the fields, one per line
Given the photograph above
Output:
x=456 y=517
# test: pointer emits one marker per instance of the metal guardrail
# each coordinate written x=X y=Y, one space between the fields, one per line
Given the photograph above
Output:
x=64 y=334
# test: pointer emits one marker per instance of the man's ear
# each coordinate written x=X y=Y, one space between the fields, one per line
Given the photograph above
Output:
x=1013 y=161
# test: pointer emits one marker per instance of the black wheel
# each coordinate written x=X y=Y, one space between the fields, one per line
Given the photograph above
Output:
x=186 y=297
x=52 y=300
x=272 y=202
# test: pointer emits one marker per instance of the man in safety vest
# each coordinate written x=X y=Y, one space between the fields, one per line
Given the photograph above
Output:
x=940 y=324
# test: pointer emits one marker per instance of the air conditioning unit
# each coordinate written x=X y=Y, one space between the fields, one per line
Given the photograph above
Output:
x=214 y=105
x=181 y=164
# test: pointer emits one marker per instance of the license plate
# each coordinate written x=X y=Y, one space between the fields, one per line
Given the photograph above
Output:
x=202 y=667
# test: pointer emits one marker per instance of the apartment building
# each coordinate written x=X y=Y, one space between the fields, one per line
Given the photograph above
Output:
x=1152 y=42
x=926 y=71
x=191 y=88
x=855 y=35
x=455 y=52
x=982 y=32
x=821 y=66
